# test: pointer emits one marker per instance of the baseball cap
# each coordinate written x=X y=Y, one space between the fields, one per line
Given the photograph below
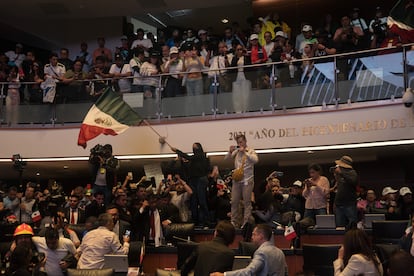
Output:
x=404 y=191
x=202 y=32
x=298 y=183
x=23 y=229
x=344 y=162
x=173 y=50
x=280 y=33
x=307 y=28
x=254 y=36
x=388 y=190
x=124 y=37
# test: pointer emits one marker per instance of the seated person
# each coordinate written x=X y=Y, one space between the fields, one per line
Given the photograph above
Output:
x=389 y=201
x=406 y=202
x=370 y=205
x=214 y=255
x=295 y=201
x=271 y=205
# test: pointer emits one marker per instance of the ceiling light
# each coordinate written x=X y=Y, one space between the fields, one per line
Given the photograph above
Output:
x=224 y=21
x=38 y=174
x=222 y=153
x=156 y=20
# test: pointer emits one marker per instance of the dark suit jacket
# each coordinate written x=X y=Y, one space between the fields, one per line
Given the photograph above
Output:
x=141 y=222
x=81 y=215
x=123 y=226
x=212 y=256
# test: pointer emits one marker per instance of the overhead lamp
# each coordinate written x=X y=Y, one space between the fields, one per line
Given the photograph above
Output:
x=224 y=21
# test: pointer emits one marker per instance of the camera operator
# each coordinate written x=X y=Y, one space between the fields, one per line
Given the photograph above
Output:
x=103 y=167
x=378 y=28
x=345 y=200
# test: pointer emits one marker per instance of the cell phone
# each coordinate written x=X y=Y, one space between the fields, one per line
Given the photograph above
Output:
x=127 y=233
x=130 y=175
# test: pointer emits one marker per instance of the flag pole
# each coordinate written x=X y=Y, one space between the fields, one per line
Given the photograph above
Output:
x=161 y=138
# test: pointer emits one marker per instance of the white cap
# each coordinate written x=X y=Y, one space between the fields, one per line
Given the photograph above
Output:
x=280 y=33
x=307 y=28
x=254 y=36
x=298 y=183
x=388 y=190
x=173 y=50
x=404 y=191
x=202 y=32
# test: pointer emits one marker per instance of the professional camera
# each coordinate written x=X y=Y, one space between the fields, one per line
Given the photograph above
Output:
x=408 y=97
x=103 y=153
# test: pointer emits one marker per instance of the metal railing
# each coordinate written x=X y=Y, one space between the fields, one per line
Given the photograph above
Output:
x=320 y=81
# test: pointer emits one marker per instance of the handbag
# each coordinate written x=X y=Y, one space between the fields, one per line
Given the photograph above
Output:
x=238 y=174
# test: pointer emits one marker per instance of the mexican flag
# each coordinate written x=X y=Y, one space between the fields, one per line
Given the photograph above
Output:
x=110 y=115
x=401 y=20
x=290 y=232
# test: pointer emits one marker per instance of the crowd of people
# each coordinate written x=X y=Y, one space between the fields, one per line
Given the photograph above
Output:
x=193 y=191
x=188 y=56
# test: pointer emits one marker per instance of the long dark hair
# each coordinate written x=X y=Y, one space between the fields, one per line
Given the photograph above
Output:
x=199 y=150
x=356 y=241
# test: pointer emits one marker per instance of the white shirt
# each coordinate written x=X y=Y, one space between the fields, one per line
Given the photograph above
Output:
x=53 y=257
x=147 y=70
x=218 y=64
x=96 y=244
x=55 y=71
x=16 y=58
x=124 y=84
x=175 y=68
x=269 y=48
x=137 y=76
x=147 y=43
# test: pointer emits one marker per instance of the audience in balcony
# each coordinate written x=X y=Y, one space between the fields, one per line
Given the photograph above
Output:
x=102 y=51
x=120 y=71
x=193 y=64
x=147 y=70
x=175 y=66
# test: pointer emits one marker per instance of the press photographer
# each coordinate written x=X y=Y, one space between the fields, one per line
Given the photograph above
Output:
x=103 y=168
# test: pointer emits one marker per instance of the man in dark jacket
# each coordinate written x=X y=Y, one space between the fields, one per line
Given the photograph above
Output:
x=214 y=255
x=345 y=199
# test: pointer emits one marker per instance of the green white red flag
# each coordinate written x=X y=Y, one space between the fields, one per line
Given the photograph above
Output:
x=110 y=115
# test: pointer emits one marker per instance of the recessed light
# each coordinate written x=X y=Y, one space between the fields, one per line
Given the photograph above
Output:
x=38 y=174
x=310 y=151
x=65 y=167
x=224 y=21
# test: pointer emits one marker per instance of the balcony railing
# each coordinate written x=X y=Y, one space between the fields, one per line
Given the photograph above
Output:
x=370 y=75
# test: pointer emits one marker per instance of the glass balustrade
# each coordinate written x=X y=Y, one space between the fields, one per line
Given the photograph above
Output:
x=369 y=75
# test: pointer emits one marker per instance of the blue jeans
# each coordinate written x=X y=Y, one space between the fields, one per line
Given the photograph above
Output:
x=345 y=215
x=194 y=87
x=311 y=213
x=198 y=201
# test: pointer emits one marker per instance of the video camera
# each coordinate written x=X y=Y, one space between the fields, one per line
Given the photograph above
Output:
x=103 y=153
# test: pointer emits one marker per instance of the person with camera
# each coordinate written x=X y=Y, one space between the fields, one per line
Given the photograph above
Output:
x=103 y=167
x=378 y=28
x=243 y=179
x=345 y=200
x=316 y=192
x=218 y=64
